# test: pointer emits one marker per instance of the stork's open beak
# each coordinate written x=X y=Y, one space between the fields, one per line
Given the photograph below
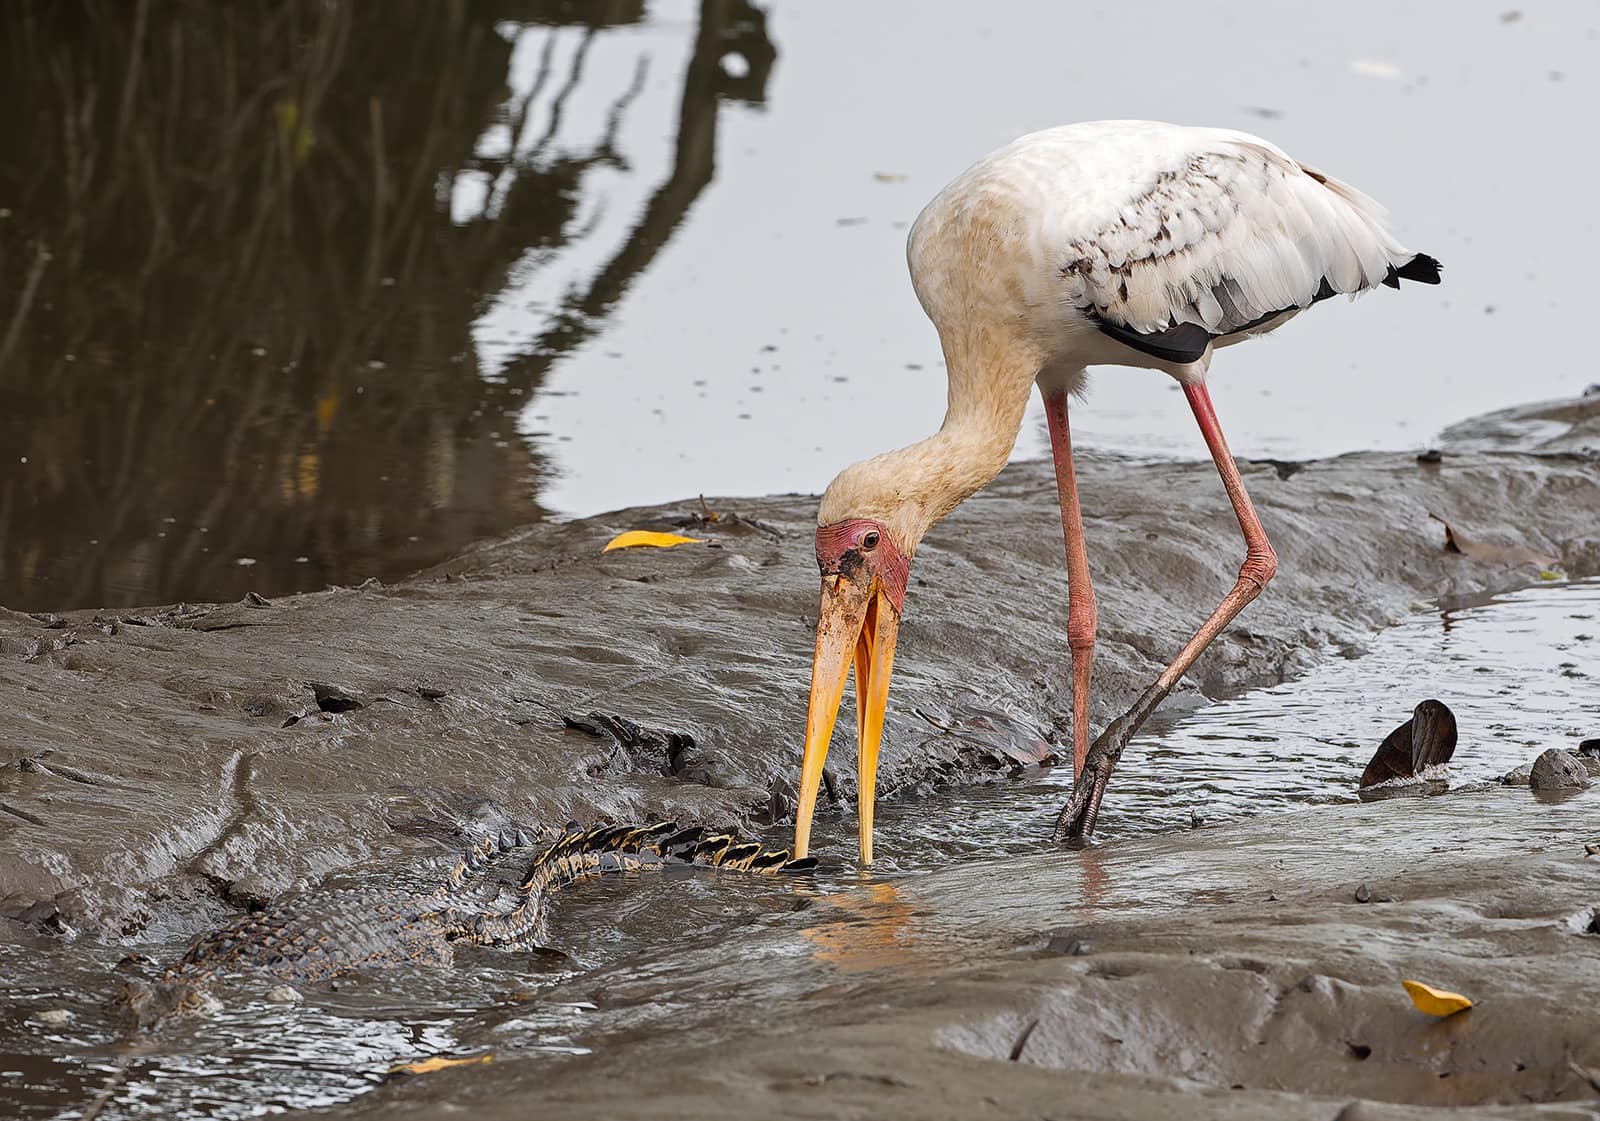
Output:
x=859 y=621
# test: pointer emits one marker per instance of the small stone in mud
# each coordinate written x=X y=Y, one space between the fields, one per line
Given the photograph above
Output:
x=1517 y=776
x=283 y=994
x=1363 y=894
x=1558 y=770
x=53 y=1017
x=1067 y=946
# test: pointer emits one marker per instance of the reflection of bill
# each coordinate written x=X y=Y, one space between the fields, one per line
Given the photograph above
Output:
x=871 y=926
x=868 y=929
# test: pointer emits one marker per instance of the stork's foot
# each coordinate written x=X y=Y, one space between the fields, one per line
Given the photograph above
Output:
x=1076 y=821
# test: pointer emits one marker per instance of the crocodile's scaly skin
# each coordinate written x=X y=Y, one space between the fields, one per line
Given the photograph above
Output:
x=315 y=936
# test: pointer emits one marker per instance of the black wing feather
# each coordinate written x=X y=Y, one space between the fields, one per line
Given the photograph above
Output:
x=1183 y=343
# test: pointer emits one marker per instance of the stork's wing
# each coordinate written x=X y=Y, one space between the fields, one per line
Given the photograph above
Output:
x=1227 y=237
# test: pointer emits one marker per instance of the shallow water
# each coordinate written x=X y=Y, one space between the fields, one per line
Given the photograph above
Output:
x=1518 y=670
x=456 y=268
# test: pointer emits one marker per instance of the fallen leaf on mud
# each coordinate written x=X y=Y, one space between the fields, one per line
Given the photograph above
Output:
x=439 y=1062
x=636 y=537
x=1456 y=542
x=1436 y=1002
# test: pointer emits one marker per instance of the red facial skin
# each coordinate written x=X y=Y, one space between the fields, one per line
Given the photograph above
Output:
x=847 y=549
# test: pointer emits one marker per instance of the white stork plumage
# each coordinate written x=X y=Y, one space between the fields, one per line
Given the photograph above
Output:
x=1123 y=243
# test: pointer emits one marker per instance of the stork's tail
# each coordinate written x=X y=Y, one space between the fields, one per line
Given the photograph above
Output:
x=1421 y=268
x=579 y=853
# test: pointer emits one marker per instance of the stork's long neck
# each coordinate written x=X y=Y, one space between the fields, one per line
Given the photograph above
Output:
x=968 y=451
x=989 y=387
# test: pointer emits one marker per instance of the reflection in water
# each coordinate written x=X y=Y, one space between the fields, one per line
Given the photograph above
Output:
x=867 y=928
x=238 y=281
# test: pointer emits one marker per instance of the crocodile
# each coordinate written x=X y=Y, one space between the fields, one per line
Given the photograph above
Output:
x=316 y=936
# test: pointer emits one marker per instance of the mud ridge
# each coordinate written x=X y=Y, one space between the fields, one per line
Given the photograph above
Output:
x=710 y=645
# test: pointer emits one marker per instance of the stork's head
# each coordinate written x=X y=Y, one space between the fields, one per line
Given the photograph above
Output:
x=865 y=538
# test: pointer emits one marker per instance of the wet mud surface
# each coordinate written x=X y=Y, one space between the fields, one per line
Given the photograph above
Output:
x=1254 y=970
x=167 y=767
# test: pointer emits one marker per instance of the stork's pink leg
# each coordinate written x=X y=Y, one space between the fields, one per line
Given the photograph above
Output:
x=1081 y=616
x=1260 y=563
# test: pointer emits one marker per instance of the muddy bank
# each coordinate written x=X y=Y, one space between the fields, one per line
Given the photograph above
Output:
x=228 y=751
x=1236 y=967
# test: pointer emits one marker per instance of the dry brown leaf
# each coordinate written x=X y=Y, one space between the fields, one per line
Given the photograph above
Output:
x=644 y=537
x=1456 y=541
x=439 y=1062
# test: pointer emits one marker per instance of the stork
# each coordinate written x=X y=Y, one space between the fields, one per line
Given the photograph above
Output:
x=1121 y=243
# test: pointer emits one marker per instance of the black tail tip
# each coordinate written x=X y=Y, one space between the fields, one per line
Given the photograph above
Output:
x=1422 y=268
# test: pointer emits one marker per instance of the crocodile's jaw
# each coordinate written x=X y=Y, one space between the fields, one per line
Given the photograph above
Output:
x=859 y=622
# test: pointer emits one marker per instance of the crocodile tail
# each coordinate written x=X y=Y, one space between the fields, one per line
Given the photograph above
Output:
x=579 y=853
x=491 y=845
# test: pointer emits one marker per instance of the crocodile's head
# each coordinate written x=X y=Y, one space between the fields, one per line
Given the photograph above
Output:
x=149 y=1003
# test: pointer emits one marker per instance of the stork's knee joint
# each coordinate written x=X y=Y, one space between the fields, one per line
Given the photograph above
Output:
x=1260 y=566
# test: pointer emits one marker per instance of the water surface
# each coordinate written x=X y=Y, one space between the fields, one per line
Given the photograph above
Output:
x=319 y=292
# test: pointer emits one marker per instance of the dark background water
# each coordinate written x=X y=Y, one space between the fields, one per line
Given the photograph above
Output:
x=236 y=348
x=307 y=292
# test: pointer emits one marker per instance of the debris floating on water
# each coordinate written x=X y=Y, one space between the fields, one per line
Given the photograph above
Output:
x=439 y=1062
x=1425 y=742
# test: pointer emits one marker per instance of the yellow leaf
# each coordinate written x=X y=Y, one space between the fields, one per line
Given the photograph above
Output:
x=438 y=1062
x=635 y=537
x=1436 y=1002
x=327 y=409
x=296 y=132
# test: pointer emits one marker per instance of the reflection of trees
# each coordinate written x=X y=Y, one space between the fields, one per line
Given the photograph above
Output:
x=733 y=27
x=231 y=293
